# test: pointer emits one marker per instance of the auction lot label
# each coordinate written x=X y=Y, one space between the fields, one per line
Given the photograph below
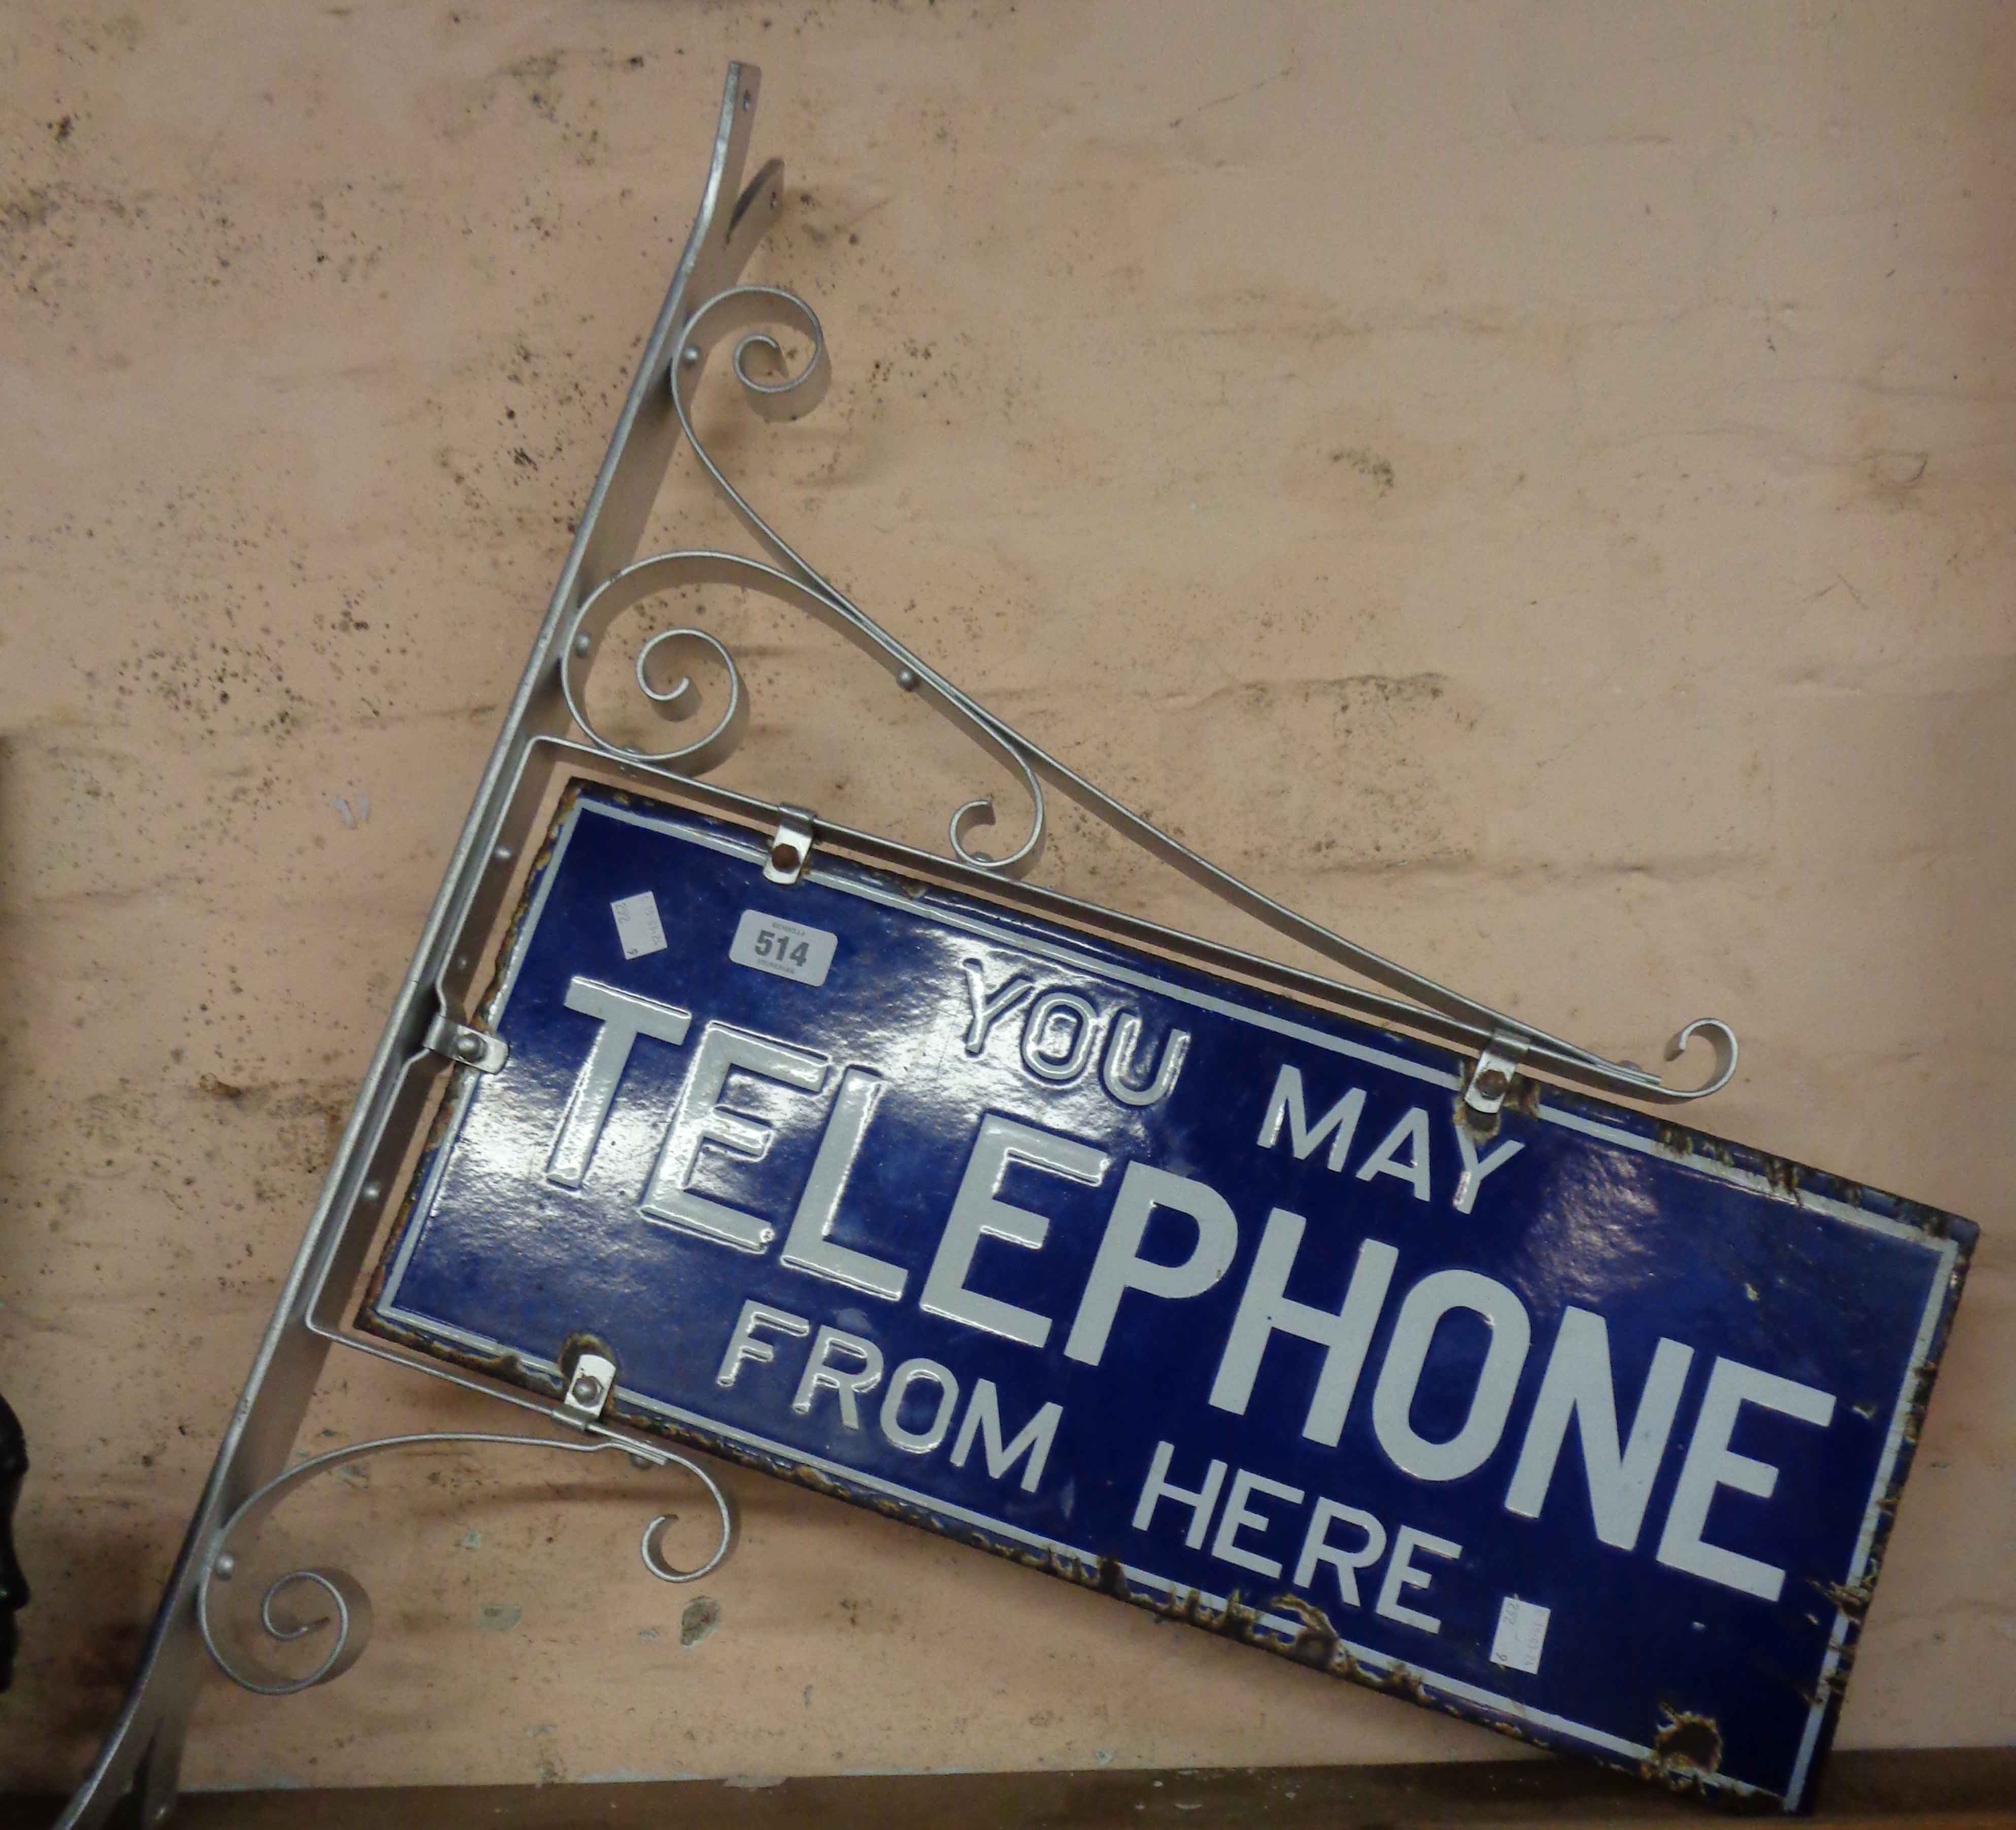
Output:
x=1590 y=1429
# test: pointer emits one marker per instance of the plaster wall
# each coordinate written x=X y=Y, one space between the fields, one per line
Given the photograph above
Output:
x=1530 y=484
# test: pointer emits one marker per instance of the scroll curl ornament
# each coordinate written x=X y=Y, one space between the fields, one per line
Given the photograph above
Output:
x=776 y=390
x=346 y=1604
x=759 y=318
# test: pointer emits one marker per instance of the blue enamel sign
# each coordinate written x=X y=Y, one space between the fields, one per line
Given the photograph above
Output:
x=1590 y=1429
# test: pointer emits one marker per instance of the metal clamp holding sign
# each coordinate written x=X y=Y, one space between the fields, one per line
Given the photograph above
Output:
x=1307 y=1314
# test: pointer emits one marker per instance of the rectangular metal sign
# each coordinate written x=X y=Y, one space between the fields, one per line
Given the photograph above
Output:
x=1590 y=1429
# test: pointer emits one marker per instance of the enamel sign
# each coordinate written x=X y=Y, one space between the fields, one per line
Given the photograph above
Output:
x=1590 y=1429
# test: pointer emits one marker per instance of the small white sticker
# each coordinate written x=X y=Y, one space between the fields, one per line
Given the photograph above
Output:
x=789 y=949
x=1522 y=1630
x=637 y=925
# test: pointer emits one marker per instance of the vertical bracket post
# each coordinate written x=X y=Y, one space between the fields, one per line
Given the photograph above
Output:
x=141 y=1754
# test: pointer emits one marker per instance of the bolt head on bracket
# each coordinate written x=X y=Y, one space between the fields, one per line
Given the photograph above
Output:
x=474 y=1048
x=790 y=846
x=589 y=1386
x=1491 y=1080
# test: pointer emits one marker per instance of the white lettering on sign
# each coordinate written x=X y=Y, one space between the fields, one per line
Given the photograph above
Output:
x=1120 y=1266
x=1476 y=1168
x=1317 y=1547
x=744 y=1343
x=1242 y=1520
x=1522 y=1630
x=1200 y=1502
x=699 y=1120
x=1339 y=1124
x=990 y=1007
x=624 y=1016
x=1057 y=1036
x=822 y=1375
x=785 y=950
x=1238 y=1516
x=1266 y=1309
x=1117 y=1070
x=1712 y=1464
x=849 y=1367
x=1033 y=1440
x=1411 y=1133
x=977 y=1212
x=808 y=1246
x=1436 y=1295
x=1060 y=1032
x=1314 y=1347
x=639 y=931
x=1401 y=1573
x=1403 y=1153
x=1577 y=1384
x=919 y=1442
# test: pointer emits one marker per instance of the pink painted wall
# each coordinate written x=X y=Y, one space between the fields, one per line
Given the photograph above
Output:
x=1530 y=484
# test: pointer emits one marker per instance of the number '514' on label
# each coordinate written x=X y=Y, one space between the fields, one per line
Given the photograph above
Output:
x=790 y=950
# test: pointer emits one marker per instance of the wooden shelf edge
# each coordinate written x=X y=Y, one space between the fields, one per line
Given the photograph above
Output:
x=1966 y=1789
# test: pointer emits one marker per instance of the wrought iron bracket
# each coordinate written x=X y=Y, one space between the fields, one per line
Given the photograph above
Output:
x=707 y=304
x=347 y=1607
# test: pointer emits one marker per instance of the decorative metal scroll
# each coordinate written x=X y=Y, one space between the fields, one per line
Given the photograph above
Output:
x=347 y=1605
x=599 y=579
x=777 y=391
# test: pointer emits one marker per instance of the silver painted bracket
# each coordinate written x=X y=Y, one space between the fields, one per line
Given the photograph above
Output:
x=548 y=721
x=473 y=1047
x=589 y=1385
x=1491 y=1080
x=790 y=846
x=140 y=1759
